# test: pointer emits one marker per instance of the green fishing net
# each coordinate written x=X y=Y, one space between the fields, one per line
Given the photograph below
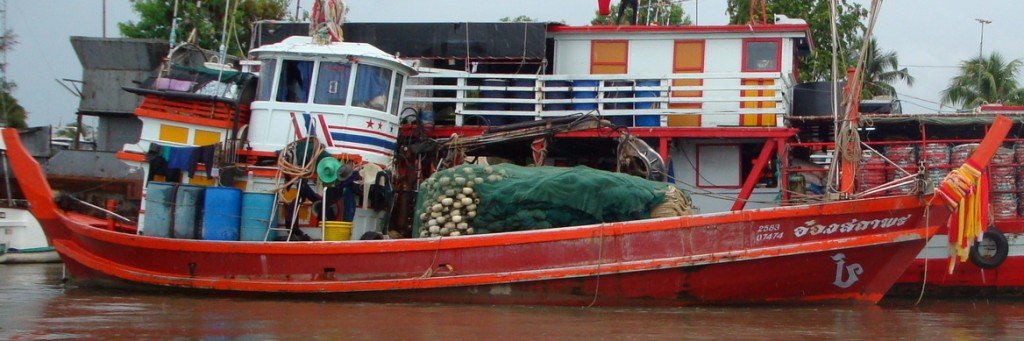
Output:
x=475 y=199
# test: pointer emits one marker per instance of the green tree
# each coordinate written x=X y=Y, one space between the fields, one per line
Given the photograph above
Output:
x=521 y=18
x=983 y=80
x=14 y=115
x=11 y=113
x=881 y=71
x=654 y=12
x=203 y=20
x=818 y=65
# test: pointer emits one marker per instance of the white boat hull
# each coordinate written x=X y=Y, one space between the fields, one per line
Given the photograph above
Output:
x=22 y=238
x=49 y=256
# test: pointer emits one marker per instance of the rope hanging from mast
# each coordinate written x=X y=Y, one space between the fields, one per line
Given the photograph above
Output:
x=847 y=143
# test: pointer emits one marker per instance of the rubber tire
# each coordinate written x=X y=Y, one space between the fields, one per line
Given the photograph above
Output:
x=1002 y=249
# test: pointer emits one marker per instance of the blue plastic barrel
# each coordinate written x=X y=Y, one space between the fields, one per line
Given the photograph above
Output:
x=647 y=120
x=522 y=83
x=584 y=94
x=222 y=213
x=257 y=215
x=493 y=106
x=186 y=209
x=556 y=94
x=427 y=117
x=159 y=200
x=621 y=120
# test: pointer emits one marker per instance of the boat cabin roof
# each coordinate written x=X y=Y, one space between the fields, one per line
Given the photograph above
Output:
x=304 y=46
x=797 y=29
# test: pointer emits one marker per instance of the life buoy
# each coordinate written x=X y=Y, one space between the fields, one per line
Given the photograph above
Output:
x=995 y=248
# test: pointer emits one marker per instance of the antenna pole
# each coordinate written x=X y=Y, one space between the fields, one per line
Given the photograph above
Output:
x=981 y=58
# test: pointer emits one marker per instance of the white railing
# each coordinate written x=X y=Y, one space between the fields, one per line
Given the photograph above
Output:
x=540 y=96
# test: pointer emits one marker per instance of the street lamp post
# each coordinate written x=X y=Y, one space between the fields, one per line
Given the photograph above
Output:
x=981 y=45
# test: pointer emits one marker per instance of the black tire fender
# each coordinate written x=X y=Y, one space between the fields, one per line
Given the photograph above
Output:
x=991 y=237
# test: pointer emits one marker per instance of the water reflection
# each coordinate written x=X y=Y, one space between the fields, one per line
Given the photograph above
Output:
x=36 y=305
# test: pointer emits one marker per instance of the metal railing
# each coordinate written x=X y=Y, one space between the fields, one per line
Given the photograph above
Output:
x=541 y=96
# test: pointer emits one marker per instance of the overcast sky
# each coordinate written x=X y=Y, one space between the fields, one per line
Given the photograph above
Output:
x=931 y=37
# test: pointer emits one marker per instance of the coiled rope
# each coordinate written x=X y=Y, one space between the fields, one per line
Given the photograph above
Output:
x=294 y=170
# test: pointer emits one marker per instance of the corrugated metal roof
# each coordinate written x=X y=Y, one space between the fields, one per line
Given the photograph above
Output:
x=89 y=164
x=478 y=41
x=112 y=63
x=102 y=91
x=119 y=53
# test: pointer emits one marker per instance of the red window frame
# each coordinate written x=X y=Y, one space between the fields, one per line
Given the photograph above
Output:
x=739 y=165
x=778 y=53
x=624 y=63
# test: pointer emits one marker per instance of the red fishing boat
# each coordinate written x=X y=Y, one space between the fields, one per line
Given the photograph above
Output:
x=995 y=265
x=842 y=251
x=849 y=250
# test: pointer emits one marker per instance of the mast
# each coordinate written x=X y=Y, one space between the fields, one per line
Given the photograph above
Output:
x=847 y=140
x=849 y=167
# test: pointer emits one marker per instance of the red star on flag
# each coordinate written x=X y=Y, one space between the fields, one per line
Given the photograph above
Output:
x=369 y=123
x=380 y=125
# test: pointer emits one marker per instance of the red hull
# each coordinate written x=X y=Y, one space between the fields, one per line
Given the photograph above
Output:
x=691 y=285
x=717 y=259
x=967 y=279
x=842 y=251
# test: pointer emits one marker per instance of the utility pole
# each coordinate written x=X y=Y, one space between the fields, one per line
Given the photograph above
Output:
x=981 y=45
x=104 y=18
x=696 y=12
x=5 y=43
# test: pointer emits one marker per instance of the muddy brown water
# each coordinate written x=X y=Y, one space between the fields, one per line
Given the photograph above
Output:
x=35 y=304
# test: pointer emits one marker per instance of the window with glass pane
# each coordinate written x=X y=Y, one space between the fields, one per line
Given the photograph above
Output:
x=266 y=79
x=332 y=83
x=762 y=56
x=396 y=95
x=371 y=87
x=293 y=86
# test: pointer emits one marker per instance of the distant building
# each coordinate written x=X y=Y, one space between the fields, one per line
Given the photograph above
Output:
x=108 y=65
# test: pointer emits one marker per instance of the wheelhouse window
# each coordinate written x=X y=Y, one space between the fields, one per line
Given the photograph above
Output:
x=267 y=70
x=293 y=86
x=761 y=55
x=396 y=95
x=371 y=88
x=332 y=83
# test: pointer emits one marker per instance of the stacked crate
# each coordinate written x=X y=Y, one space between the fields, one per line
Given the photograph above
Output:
x=960 y=153
x=872 y=172
x=1018 y=151
x=903 y=156
x=936 y=158
x=1003 y=180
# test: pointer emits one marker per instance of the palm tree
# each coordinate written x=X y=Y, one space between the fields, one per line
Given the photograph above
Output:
x=985 y=80
x=881 y=71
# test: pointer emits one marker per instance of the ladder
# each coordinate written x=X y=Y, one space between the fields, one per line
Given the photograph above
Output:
x=292 y=223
